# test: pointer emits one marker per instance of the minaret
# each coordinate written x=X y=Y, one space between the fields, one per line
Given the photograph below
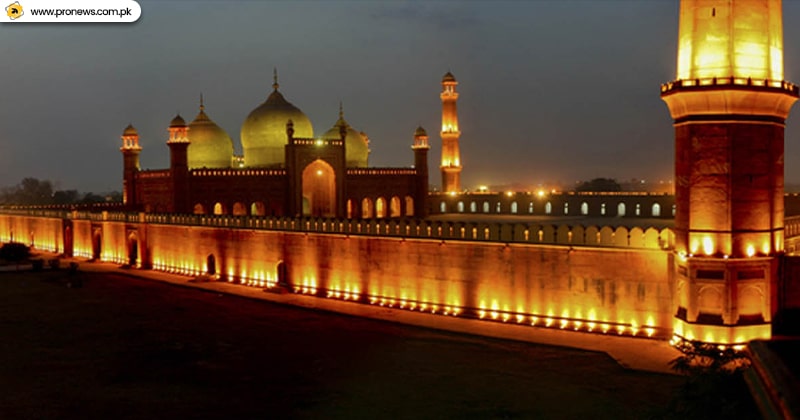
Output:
x=451 y=160
x=728 y=103
x=179 y=163
x=421 y=148
x=130 y=159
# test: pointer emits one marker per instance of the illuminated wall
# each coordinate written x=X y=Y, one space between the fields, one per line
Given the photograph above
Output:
x=608 y=288
x=40 y=233
x=619 y=291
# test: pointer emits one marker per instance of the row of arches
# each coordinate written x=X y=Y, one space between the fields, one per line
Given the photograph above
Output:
x=620 y=210
x=257 y=208
x=366 y=208
x=380 y=208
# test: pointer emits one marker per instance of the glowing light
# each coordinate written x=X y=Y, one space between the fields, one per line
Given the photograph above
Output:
x=533 y=320
x=751 y=250
x=540 y=193
x=708 y=245
x=743 y=41
x=765 y=248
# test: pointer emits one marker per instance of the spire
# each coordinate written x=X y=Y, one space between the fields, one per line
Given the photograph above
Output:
x=275 y=78
x=202 y=107
x=341 y=110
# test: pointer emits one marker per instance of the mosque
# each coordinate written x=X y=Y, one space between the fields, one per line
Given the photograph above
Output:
x=284 y=170
x=727 y=270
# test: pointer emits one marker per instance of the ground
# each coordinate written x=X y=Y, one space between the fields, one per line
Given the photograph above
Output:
x=124 y=347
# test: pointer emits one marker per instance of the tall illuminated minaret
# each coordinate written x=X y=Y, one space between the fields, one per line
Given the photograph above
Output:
x=451 y=159
x=729 y=103
x=130 y=158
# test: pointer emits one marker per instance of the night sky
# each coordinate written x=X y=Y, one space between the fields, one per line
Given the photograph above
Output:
x=550 y=91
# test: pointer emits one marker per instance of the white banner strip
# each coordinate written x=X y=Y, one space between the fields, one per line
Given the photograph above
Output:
x=71 y=11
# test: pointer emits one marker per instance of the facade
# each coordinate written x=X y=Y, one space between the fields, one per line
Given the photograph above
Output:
x=285 y=171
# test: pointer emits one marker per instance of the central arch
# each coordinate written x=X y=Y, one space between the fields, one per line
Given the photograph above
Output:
x=319 y=189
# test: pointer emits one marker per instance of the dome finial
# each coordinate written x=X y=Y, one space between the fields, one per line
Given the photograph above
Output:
x=275 y=78
x=341 y=110
x=202 y=107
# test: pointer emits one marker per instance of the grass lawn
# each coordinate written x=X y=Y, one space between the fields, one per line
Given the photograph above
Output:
x=122 y=347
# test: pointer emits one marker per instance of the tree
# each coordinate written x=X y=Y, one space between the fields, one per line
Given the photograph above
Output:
x=15 y=252
x=714 y=387
x=599 y=185
x=65 y=196
x=30 y=191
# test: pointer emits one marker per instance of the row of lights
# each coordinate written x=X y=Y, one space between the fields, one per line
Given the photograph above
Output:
x=549 y=321
x=308 y=287
x=562 y=323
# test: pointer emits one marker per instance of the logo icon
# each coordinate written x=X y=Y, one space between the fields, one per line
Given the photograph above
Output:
x=14 y=10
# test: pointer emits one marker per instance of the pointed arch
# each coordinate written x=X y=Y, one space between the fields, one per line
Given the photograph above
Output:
x=199 y=209
x=380 y=207
x=366 y=208
x=219 y=208
x=238 y=209
x=656 y=211
x=258 y=209
x=395 y=209
x=409 y=205
x=319 y=188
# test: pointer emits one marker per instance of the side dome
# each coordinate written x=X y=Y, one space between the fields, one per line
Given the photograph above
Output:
x=209 y=145
x=264 y=130
x=130 y=131
x=356 y=143
x=178 y=121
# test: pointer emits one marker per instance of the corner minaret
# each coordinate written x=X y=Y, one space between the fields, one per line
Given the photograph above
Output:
x=179 y=163
x=421 y=148
x=130 y=156
x=451 y=159
x=729 y=104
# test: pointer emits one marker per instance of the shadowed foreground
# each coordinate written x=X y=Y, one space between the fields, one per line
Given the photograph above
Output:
x=128 y=348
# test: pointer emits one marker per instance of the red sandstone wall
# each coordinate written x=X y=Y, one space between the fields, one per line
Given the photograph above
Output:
x=626 y=286
x=592 y=284
x=39 y=232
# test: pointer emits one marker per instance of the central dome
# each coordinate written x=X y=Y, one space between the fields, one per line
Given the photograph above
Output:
x=264 y=130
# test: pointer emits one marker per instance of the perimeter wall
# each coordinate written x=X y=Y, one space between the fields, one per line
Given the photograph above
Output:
x=516 y=273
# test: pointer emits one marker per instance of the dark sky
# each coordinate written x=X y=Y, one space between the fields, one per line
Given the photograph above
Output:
x=550 y=90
